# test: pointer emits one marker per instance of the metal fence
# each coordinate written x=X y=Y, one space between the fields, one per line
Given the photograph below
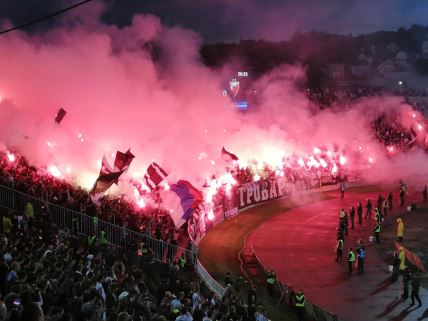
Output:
x=87 y=225
x=212 y=284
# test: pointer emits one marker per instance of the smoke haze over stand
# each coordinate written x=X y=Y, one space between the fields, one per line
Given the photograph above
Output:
x=170 y=109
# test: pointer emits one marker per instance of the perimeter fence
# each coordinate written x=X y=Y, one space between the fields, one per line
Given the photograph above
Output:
x=90 y=226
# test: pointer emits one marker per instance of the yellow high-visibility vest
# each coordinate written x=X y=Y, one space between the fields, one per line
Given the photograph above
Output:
x=91 y=240
x=351 y=256
x=271 y=278
x=300 y=300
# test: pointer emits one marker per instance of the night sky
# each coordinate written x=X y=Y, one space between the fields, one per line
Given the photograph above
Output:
x=230 y=20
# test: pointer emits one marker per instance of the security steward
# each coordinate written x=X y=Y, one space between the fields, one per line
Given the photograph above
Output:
x=270 y=282
x=299 y=300
x=378 y=215
x=103 y=239
x=376 y=231
x=91 y=240
x=143 y=251
x=351 y=260
x=182 y=261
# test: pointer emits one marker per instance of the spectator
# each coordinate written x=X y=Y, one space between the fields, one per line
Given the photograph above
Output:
x=185 y=315
x=32 y=312
x=12 y=276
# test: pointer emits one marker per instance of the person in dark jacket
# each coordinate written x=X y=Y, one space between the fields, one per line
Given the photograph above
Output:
x=369 y=209
x=402 y=194
x=228 y=279
x=390 y=200
x=407 y=274
x=415 y=291
x=395 y=267
x=379 y=203
x=360 y=213
x=352 y=216
x=252 y=296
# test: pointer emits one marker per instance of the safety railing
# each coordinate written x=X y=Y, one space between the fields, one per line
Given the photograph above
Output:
x=212 y=284
x=87 y=225
x=317 y=313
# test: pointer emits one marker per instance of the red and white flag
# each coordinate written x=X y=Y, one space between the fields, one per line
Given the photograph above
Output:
x=105 y=167
x=123 y=160
x=154 y=176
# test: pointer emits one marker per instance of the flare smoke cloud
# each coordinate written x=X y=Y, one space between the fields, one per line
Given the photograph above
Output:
x=144 y=87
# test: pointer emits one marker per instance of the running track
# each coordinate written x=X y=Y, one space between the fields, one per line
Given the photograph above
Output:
x=299 y=245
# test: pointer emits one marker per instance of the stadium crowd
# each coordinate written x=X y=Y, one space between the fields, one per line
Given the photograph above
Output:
x=391 y=134
x=51 y=274
x=330 y=97
x=21 y=176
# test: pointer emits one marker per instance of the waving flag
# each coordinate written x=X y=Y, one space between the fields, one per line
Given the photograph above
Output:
x=105 y=167
x=227 y=156
x=60 y=115
x=412 y=257
x=181 y=200
x=123 y=160
x=103 y=183
x=154 y=176
x=107 y=178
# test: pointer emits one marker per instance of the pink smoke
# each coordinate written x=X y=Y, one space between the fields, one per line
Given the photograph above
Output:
x=144 y=87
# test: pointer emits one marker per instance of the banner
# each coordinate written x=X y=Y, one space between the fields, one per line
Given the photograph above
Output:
x=231 y=213
x=261 y=191
x=328 y=180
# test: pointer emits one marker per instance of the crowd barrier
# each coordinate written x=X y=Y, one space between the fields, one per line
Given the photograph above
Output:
x=212 y=284
x=86 y=225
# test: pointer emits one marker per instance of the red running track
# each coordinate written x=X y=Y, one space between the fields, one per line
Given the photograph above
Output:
x=299 y=245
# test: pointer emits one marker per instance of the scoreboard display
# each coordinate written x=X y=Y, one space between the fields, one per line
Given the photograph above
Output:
x=238 y=88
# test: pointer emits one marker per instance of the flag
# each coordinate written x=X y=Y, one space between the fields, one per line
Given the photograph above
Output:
x=181 y=200
x=154 y=176
x=106 y=178
x=104 y=182
x=60 y=115
x=227 y=156
x=105 y=167
x=123 y=160
x=412 y=257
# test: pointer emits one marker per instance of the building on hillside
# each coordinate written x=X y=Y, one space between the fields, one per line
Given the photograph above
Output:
x=399 y=73
x=395 y=72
